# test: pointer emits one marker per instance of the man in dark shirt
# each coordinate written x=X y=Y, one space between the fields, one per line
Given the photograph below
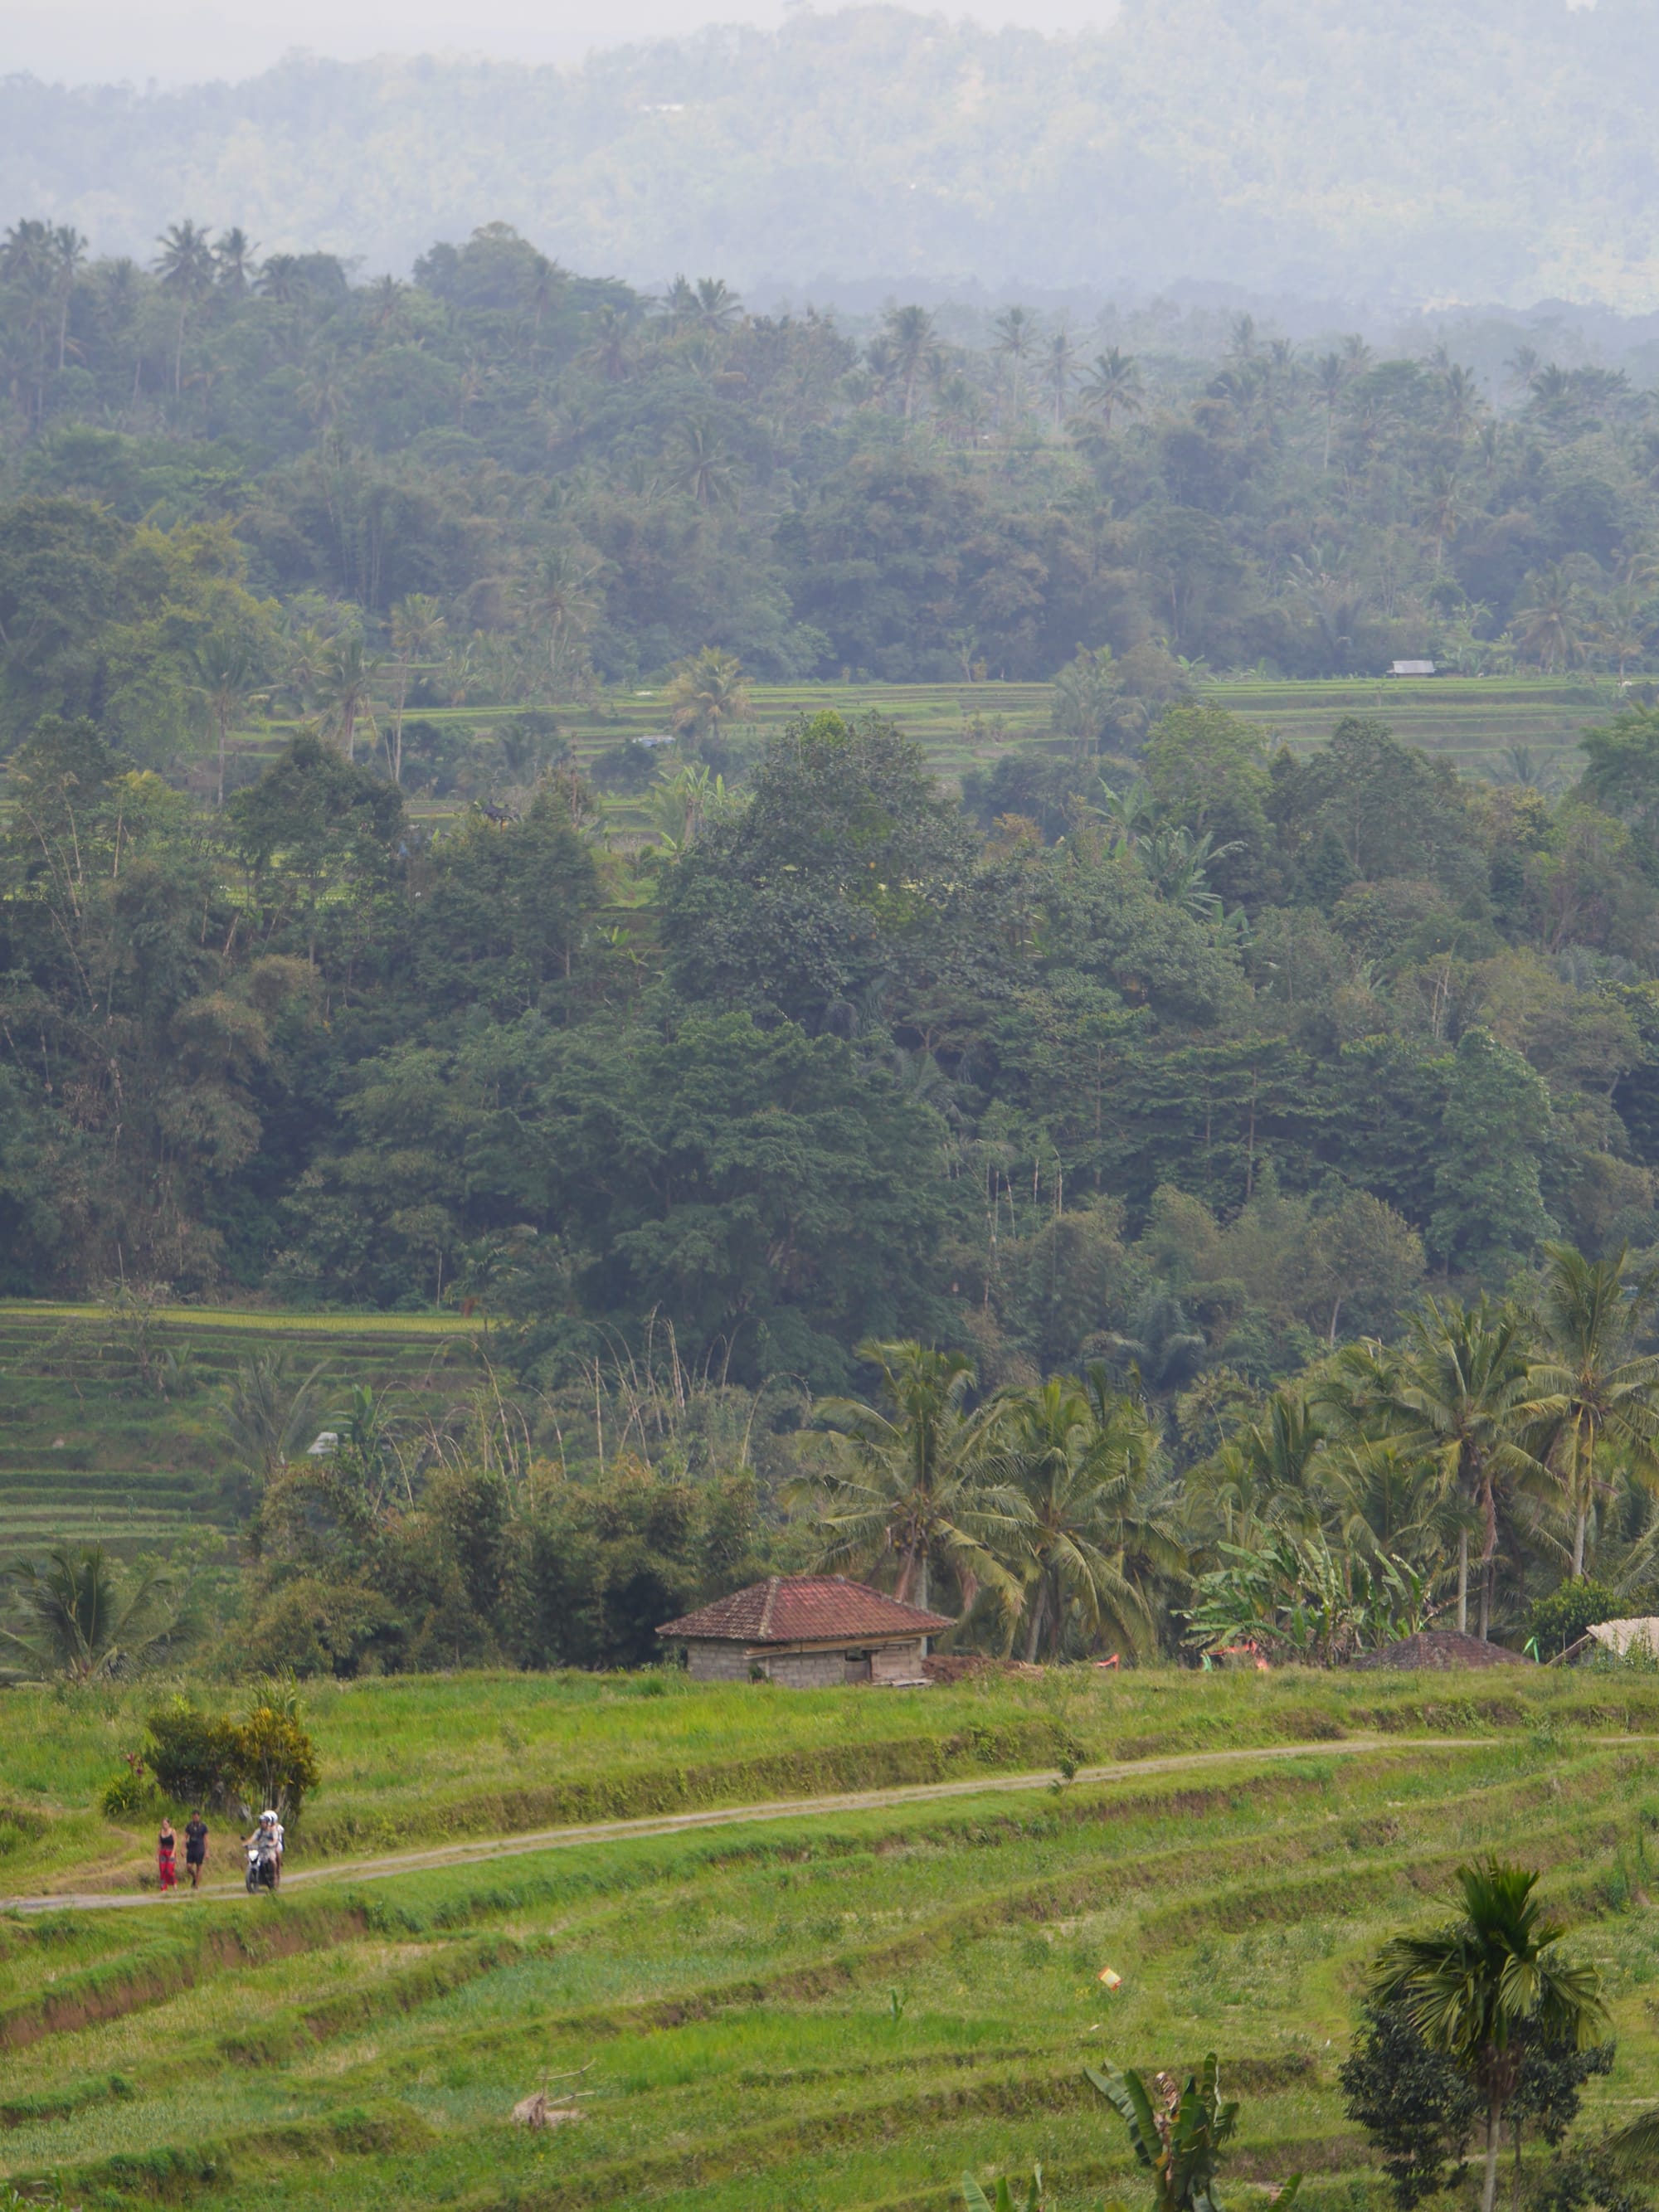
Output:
x=196 y=1836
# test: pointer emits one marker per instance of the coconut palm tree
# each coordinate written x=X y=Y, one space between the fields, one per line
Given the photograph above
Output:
x=1549 y=627
x=417 y=635
x=84 y=1621
x=912 y=345
x=233 y=260
x=911 y=1476
x=704 y=466
x=1080 y=1456
x=1059 y=370
x=717 y=308
x=1461 y=1394
x=268 y=1415
x=186 y=268
x=560 y=600
x=344 y=689
x=1016 y=336
x=69 y=253
x=707 y=694
x=1111 y=385
x=225 y=682
x=1476 y=1988
x=1590 y=1384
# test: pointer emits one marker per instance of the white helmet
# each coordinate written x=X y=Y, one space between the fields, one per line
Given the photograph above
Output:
x=267 y=1820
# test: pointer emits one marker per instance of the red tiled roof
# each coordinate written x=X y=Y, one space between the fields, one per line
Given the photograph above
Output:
x=802 y=1608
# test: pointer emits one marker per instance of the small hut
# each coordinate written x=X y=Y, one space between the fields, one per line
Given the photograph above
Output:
x=808 y=1631
x=1618 y=1639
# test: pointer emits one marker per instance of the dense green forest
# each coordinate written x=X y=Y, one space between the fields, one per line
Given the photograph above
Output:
x=1429 y=150
x=1161 y=1055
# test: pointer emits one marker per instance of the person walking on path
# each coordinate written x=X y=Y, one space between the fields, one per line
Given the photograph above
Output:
x=165 y=1845
x=196 y=1840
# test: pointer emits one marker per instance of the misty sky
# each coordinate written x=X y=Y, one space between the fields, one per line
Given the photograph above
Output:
x=103 y=41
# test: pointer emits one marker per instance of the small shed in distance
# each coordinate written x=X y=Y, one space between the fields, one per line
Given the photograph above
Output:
x=1637 y=1636
x=1412 y=668
x=808 y=1631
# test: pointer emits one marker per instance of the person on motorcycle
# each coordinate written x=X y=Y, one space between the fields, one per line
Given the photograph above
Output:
x=267 y=1840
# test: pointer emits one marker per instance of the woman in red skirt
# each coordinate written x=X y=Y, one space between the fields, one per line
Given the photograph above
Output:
x=167 y=1843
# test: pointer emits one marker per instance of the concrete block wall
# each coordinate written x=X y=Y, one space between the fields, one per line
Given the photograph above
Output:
x=807 y=1670
x=717 y=1663
x=896 y=1662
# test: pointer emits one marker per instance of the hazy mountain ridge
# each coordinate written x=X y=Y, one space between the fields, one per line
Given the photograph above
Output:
x=1464 y=149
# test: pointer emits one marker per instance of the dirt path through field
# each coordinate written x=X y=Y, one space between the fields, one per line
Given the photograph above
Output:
x=481 y=1850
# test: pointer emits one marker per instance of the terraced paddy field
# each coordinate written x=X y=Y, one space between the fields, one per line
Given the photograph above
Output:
x=95 y=1450
x=843 y=2010
x=1475 y=721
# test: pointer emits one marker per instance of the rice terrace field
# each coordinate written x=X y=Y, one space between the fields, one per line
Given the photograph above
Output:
x=1474 y=721
x=92 y=1451
x=840 y=2009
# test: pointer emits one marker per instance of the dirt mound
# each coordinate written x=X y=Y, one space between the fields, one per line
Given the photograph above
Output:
x=1440 y=1650
x=964 y=1666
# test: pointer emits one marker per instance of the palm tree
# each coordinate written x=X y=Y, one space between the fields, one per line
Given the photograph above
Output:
x=1177 y=866
x=705 y=468
x=1160 y=1347
x=610 y=349
x=717 y=307
x=1269 y=1475
x=185 y=267
x=1442 y=511
x=707 y=694
x=268 y=1414
x=560 y=600
x=226 y=684
x=85 y=1622
x=1059 y=370
x=1079 y=1456
x=910 y=1478
x=233 y=260
x=1476 y=1988
x=1330 y=382
x=69 y=251
x=1112 y=382
x=1590 y=1311
x=912 y=345
x=344 y=689
x=418 y=634
x=1016 y=334
x=1548 y=627
x=1461 y=1396
x=283 y=281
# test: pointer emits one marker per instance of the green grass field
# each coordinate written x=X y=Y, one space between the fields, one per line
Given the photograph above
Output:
x=836 y=2012
x=88 y=1453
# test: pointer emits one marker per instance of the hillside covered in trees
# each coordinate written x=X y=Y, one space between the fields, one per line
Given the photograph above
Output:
x=1428 y=150
x=1159 y=1035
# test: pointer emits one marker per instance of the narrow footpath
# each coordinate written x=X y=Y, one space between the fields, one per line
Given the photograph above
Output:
x=481 y=1850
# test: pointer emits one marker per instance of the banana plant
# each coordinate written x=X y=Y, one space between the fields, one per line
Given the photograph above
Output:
x=1004 y=2199
x=1179 y=2135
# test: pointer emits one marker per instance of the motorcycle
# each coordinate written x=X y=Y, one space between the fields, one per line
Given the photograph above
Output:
x=262 y=1870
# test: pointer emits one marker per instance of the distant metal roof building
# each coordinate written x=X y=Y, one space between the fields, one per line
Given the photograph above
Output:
x=1412 y=668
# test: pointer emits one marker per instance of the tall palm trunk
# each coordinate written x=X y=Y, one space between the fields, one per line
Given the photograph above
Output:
x=1583 y=1462
x=1463 y=1581
x=1038 y=1612
x=1494 y=2128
